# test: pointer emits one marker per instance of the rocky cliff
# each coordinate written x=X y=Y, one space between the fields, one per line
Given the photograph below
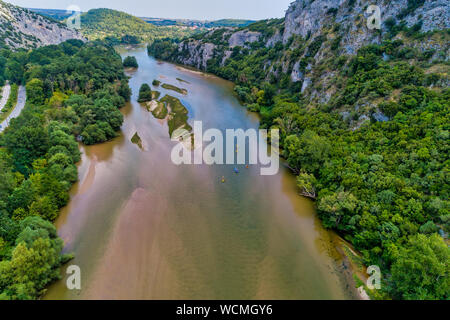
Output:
x=306 y=17
x=314 y=44
x=21 y=28
x=344 y=21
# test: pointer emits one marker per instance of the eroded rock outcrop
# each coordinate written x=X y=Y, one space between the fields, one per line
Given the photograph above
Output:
x=241 y=38
x=308 y=18
x=311 y=19
x=21 y=28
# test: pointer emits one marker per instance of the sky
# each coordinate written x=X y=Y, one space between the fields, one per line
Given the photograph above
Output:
x=186 y=9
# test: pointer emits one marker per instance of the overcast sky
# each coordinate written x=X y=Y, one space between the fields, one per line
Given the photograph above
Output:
x=189 y=9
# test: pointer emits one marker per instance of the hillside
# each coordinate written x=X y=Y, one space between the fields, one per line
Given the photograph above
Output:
x=316 y=40
x=364 y=120
x=21 y=28
x=312 y=32
x=102 y=23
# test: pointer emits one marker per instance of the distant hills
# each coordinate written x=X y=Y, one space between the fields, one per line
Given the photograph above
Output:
x=56 y=14
x=60 y=15
x=199 y=23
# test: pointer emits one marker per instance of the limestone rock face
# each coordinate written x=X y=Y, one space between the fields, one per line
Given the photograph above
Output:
x=296 y=74
x=195 y=53
x=21 y=28
x=241 y=38
x=309 y=17
x=312 y=48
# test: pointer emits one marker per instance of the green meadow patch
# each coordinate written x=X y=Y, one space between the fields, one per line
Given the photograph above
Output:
x=178 y=116
x=160 y=112
x=181 y=80
x=156 y=95
x=174 y=88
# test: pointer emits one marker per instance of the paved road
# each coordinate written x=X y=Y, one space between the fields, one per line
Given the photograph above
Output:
x=21 y=99
x=5 y=95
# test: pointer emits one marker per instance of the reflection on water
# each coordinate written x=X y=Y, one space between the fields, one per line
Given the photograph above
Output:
x=143 y=228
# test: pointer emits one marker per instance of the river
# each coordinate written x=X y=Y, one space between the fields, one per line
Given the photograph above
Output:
x=143 y=228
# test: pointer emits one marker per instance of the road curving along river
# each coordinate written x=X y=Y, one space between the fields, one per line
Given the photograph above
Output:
x=143 y=228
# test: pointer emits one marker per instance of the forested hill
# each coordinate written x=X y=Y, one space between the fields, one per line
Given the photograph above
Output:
x=364 y=119
x=21 y=28
x=123 y=27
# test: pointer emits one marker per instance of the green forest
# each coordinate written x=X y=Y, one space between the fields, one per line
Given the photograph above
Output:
x=74 y=92
x=383 y=185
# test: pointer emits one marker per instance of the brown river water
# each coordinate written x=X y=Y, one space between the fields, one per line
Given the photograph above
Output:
x=143 y=228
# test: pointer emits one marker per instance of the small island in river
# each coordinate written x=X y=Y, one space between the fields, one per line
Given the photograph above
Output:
x=137 y=140
x=178 y=114
x=174 y=88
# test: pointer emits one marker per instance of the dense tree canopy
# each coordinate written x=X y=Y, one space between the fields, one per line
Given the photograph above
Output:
x=421 y=270
x=122 y=28
x=73 y=90
x=130 y=62
x=145 y=93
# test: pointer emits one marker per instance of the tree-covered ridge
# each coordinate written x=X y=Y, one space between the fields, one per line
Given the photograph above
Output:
x=73 y=90
x=121 y=27
x=374 y=153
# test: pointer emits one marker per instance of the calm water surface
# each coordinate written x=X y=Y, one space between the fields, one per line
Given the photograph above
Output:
x=143 y=228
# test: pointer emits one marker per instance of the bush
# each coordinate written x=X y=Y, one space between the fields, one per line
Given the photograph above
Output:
x=130 y=62
x=145 y=93
x=422 y=270
x=35 y=92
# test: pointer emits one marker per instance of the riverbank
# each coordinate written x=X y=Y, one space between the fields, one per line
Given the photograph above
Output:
x=353 y=267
